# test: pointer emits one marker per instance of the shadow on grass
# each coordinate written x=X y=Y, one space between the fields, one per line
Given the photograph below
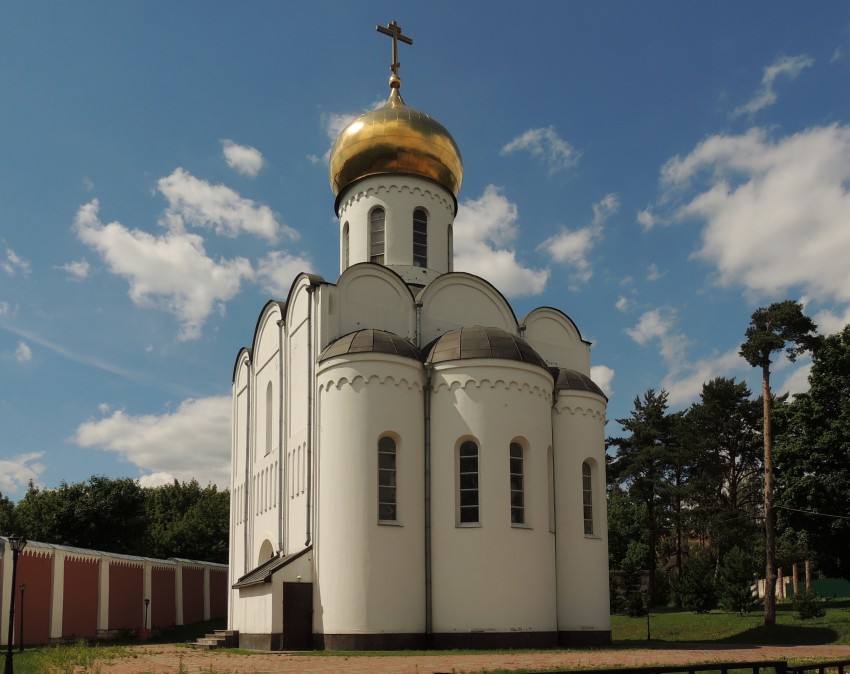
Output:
x=784 y=635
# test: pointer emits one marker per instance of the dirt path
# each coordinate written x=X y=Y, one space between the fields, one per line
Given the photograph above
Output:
x=174 y=659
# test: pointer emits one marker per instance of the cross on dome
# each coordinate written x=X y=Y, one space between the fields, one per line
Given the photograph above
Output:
x=394 y=31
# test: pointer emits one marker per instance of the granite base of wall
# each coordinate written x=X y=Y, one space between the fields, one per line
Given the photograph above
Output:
x=452 y=640
x=370 y=642
x=260 y=642
x=569 y=639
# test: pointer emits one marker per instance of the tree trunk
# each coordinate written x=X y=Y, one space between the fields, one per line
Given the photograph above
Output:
x=769 y=514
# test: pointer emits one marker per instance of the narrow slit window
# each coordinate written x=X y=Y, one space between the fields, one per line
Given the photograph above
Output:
x=468 y=506
x=387 y=495
x=420 y=238
x=269 y=420
x=345 y=246
x=376 y=235
x=517 y=484
x=587 y=497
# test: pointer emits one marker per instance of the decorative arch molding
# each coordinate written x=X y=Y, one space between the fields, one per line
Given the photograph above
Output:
x=579 y=410
x=296 y=297
x=358 y=381
x=376 y=191
x=455 y=384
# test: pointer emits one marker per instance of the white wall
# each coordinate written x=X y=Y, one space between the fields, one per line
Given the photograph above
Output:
x=495 y=577
x=579 y=433
x=370 y=576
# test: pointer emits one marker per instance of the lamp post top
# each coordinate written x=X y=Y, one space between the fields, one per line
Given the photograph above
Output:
x=17 y=543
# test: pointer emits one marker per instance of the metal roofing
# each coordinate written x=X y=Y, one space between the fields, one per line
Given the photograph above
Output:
x=264 y=572
x=566 y=379
x=481 y=342
x=370 y=341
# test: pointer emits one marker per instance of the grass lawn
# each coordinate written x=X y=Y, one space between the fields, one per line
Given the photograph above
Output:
x=673 y=626
x=667 y=627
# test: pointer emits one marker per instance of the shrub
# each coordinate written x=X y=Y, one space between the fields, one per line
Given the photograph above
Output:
x=808 y=605
x=696 y=587
x=734 y=583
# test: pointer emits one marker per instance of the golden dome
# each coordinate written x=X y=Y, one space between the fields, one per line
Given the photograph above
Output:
x=395 y=139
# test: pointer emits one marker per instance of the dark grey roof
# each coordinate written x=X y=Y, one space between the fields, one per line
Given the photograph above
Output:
x=575 y=381
x=264 y=572
x=481 y=342
x=370 y=341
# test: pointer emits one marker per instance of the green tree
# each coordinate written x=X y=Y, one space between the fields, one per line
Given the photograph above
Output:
x=696 y=586
x=626 y=527
x=735 y=580
x=782 y=325
x=813 y=459
x=723 y=428
x=642 y=462
x=188 y=521
x=99 y=514
x=7 y=516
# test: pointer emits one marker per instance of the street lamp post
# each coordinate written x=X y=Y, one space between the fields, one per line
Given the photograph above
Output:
x=17 y=543
x=21 y=639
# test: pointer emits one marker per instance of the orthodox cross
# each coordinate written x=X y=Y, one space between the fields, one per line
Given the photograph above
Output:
x=394 y=31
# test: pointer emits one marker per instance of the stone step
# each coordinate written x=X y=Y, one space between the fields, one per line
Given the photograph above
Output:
x=219 y=639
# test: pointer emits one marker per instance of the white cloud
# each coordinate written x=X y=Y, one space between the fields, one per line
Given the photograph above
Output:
x=4 y=309
x=775 y=213
x=786 y=66
x=217 y=207
x=77 y=270
x=16 y=472
x=622 y=303
x=685 y=377
x=603 y=377
x=647 y=218
x=483 y=230
x=14 y=263
x=245 y=159
x=797 y=381
x=88 y=184
x=574 y=246
x=653 y=273
x=277 y=270
x=23 y=354
x=171 y=272
x=545 y=144
x=829 y=322
x=191 y=442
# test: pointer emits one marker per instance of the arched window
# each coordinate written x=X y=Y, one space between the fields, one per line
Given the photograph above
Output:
x=517 y=484
x=468 y=509
x=420 y=238
x=269 y=418
x=376 y=235
x=450 y=247
x=587 y=497
x=387 y=496
x=345 y=246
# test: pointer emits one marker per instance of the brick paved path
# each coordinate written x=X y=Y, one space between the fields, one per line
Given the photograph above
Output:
x=172 y=659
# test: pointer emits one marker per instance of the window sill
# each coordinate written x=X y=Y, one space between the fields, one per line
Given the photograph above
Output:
x=593 y=537
x=389 y=523
x=516 y=525
x=468 y=525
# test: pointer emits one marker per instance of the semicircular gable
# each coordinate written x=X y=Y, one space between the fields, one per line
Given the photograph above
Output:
x=266 y=341
x=373 y=296
x=556 y=337
x=459 y=298
x=241 y=367
x=295 y=307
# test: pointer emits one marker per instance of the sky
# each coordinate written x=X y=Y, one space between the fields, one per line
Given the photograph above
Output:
x=656 y=170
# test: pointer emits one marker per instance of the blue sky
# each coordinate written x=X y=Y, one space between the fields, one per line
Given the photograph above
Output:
x=657 y=170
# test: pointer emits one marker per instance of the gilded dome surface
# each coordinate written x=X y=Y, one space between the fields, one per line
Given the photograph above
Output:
x=395 y=139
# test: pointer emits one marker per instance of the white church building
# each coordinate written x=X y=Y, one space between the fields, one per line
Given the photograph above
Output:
x=413 y=466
